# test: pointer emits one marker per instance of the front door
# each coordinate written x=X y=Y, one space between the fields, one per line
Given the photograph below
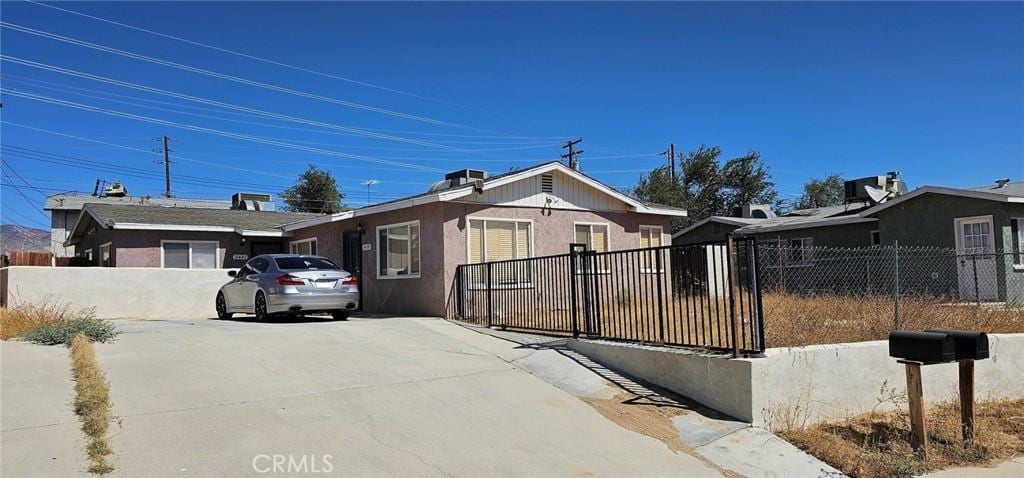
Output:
x=260 y=248
x=976 y=261
x=352 y=258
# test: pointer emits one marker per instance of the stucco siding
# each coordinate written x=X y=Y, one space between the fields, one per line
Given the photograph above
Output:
x=844 y=235
x=423 y=295
x=927 y=220
x=134 y=248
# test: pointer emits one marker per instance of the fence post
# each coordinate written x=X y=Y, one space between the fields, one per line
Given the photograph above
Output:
x=588 y=302
x=754 y=255
x=730 y=257
x=460 y=306
x=490 y=304
x=974 y=267
x=661 y=300
x=896 y=289
x=573 y=305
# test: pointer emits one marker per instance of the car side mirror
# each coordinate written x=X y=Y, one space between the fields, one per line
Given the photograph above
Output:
x=232 y=273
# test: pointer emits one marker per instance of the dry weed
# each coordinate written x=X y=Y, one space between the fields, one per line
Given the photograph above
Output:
x=793 y=321
x=878 y=444
x=17 y=320
x=92 y=403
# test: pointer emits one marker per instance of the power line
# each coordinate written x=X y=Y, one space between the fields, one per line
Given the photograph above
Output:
x=256 y=139
x=269 y=61
x=221 y=104
x=37 y=82
x=224 y=76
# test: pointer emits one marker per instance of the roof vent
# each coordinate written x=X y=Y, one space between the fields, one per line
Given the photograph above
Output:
x=547 y=183
x=1002 y=182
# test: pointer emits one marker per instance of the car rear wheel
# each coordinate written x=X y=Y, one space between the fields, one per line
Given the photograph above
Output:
x=222 y=307
x=260 y=307
x=339 y=315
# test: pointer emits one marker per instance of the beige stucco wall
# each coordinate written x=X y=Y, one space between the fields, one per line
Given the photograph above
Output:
x=128 y=292
x=138 y=248
x=443 y=246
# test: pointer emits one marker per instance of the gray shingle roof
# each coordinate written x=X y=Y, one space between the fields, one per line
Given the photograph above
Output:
x=1009 y=189
x=112 y=214
x=74 y=202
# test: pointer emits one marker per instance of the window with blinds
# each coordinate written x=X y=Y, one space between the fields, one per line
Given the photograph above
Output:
x=650 y=236
x=495 y=240
x=595 y=238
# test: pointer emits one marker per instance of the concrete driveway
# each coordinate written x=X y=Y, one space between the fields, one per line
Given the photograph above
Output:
x=366 y=397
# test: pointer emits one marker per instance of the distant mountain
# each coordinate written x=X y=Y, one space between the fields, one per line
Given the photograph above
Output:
x=18 y=238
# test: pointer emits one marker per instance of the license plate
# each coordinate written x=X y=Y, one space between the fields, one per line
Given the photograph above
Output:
x=325 y=284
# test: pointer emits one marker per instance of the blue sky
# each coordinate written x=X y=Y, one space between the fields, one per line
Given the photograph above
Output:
x=933 y=90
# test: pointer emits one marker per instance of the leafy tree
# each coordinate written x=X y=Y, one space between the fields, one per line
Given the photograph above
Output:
x=706 y=188
x=315 y=190
x=827 y=191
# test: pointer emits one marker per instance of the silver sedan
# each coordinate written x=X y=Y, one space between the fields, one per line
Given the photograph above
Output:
x=288 y=283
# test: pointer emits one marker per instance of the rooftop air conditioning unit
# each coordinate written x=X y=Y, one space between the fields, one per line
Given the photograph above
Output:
x=116 y=190
x=853 y=190
x=252 y=202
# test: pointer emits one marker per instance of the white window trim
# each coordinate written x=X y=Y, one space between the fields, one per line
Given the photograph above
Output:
x=216 y=251
x=1019 y=252
x=483 y=253
x=661 y=241
x=109 y=254
x=957 y=226
x=301 y=241
x=404 y=276
x=608 y=227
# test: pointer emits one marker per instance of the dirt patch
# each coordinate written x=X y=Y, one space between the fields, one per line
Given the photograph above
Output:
x=653 y=420
x=878 y=444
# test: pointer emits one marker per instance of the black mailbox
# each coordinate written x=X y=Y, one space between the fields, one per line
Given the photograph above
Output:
x=969 y=345
x=924 y=347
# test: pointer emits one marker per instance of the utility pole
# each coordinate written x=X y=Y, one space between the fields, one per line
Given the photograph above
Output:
x=671 y=154
x=167 y=164
x=572 y=154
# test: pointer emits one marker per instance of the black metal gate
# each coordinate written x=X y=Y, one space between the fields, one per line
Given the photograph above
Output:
x=699 y=295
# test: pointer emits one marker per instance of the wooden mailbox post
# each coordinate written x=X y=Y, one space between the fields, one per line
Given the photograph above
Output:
x=914 y=349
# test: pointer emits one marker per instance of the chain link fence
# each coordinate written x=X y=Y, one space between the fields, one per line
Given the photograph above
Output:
x=899 y=277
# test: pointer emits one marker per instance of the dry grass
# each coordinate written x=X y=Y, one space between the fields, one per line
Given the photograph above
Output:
x=877 y=444
x=792 y=321
x=92 y=403
x=15 y=321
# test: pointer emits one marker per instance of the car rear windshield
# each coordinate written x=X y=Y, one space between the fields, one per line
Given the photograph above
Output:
x=304 y=263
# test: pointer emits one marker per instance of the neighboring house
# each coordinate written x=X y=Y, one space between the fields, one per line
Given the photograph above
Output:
x=66 y=208
x=406 y=250
x=969 y=220
x=118 y=235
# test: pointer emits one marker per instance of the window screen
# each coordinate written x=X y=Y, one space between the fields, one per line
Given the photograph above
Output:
x=176 y=255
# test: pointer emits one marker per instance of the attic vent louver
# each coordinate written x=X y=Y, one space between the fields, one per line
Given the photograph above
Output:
x=547 y=183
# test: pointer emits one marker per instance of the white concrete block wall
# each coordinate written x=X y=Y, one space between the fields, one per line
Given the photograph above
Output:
x=805 y=385
x=136 y=292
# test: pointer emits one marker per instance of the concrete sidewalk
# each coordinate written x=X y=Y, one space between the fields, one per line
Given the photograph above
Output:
x=39 y=433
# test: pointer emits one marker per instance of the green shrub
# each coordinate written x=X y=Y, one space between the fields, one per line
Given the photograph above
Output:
x=62 y=332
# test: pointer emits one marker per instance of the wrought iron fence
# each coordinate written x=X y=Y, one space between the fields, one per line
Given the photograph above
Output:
x=948 y=275
x=701 y=295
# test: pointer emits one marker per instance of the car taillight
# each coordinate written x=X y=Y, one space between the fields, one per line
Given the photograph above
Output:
x=350 y=280
x=289 y=279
